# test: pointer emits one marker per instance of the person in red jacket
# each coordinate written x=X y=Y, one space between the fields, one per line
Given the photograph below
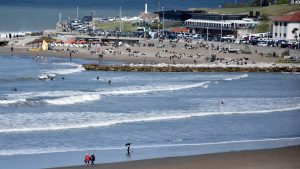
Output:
x=87 y=160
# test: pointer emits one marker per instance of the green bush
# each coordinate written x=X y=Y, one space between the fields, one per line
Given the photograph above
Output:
x=282 y=2
x=285 y=53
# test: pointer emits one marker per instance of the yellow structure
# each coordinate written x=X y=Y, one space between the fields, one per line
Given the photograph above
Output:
x=45 y=45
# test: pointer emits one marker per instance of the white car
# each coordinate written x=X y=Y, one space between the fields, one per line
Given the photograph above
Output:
x=262 y=43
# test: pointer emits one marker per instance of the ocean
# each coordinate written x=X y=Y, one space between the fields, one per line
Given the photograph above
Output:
x=36 y=15
x=55 y=122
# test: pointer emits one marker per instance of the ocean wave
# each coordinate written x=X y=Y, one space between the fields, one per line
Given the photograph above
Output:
x=13 y=101
x=17 y=122
x=236 y=77
x=17 y=79
x=75 y=68
x=74 y=99
x=10 y=152
x=151 y=88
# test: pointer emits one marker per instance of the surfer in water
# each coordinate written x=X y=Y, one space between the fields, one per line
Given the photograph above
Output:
x=97 y=77
x=222 y=103
x=109 y=82
x=15 y=89
x=62 y=78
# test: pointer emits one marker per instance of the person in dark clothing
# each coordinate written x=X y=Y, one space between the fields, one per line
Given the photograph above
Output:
x=70 y=55
x=128 y=148
x=92 y=159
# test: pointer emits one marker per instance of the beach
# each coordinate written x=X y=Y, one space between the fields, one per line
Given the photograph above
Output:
x=287 y=158
x=195 y=54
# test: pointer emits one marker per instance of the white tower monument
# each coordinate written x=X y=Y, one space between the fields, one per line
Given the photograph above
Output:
x=146 y=8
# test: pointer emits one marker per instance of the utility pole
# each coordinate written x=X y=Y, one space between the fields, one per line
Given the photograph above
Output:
x=206 y=33
x=222 y=28
x=120 y=19
x=59 y=17
x=261 y=2
x=163 y=20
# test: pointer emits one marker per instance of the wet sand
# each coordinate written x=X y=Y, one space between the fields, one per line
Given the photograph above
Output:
x=280 y=158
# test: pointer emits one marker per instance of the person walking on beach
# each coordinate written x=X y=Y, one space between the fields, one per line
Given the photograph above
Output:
x=128 y=148
x=70 y=55
x=92 y=159
x=87 y=159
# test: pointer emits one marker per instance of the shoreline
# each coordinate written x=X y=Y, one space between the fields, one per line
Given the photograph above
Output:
x=275 y=158
x=153 y=64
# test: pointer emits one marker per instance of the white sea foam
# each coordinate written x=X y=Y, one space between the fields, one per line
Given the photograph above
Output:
x=236 y=77
x=9 y=101
x=19 y=122
x=74 y=68
x=74 y=99
x=10 y=152
x=151 y=88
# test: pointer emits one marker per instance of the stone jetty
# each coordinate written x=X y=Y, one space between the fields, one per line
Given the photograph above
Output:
x=145 y=68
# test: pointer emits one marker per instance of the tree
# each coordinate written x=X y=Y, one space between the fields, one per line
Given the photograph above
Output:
x=295 y=32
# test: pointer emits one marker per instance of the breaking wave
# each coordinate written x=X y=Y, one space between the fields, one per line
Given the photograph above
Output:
x=74 y=99
x=18 y=122
x=236 y=77
x=150 y=88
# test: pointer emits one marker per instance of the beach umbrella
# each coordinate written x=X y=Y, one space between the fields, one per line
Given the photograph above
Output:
x=70 y=41
x=127 y=144
x=58 y=41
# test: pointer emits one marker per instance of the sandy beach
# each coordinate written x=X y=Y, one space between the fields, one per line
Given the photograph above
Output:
x=161 y=52
x=280 y=158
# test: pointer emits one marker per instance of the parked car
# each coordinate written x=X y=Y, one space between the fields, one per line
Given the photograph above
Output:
x=262 y=43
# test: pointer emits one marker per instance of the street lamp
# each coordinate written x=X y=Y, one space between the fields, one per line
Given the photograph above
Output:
x=163 y=20
x=206 y=33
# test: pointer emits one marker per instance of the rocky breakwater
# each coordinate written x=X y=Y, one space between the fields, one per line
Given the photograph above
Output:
x=193 y=68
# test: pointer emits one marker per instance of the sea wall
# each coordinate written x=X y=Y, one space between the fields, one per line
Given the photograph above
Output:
x=129 y=68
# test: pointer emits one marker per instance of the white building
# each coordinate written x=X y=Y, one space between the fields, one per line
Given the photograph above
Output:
x=287 y=27
x=220 y=24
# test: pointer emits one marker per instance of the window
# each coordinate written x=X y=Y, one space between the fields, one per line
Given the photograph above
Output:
x=280 y=35
x=285 y=24
x=276 y=34
x=284 y=35
x=276 y=23
x=280 y=24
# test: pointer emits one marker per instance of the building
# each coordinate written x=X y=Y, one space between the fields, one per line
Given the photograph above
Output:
x=220 y=23
x=200 y=21
x=287 y=27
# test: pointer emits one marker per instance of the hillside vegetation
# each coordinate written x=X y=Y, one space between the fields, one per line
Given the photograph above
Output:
x=272 y=11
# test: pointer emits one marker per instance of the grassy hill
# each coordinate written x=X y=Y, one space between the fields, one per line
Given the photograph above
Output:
x=127 y=26
x=272 y=11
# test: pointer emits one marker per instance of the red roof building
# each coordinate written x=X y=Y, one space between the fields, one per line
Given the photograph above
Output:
x=290 y=17
x=287 y=27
